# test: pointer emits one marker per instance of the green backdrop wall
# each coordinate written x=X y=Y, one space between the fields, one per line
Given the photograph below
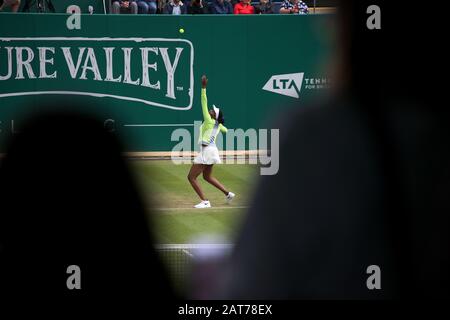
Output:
x=240 y=55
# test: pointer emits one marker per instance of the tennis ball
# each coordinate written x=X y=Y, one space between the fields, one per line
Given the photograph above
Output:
x=181 y=30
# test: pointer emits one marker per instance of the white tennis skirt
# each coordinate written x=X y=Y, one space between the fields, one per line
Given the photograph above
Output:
x=208 y=155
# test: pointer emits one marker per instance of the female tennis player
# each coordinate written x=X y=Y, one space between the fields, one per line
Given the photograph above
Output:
x=209 y=154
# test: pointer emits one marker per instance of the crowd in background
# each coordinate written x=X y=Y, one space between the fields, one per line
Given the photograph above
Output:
x=176 y=7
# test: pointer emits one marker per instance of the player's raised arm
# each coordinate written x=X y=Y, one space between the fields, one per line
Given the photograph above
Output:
x=206 y=115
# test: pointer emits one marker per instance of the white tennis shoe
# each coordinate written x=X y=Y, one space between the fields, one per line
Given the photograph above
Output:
x=203 y=204
x=229 y=197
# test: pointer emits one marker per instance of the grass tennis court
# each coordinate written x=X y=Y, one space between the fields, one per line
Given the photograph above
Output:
x=165 y=185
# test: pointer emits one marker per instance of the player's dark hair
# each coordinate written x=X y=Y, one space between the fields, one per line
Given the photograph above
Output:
x=221 y=119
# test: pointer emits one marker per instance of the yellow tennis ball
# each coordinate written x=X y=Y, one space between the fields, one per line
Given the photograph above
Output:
x=181 y=30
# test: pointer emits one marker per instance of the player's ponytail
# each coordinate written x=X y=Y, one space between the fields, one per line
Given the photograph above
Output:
x=221 y=119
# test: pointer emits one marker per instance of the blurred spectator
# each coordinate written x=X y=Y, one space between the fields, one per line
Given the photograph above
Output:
x=147 y=6
x=367 y=183
x=264 y=7
x=161 y=5
x=14 y=4
x=40 y=6
x=117 y=6
x=196 y=7
x=294 y=7
x=175 y=7
x=244 y=7
x=68 y=198
x=221 y=7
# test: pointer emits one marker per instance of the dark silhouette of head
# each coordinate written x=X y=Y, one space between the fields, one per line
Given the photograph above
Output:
x=364 y=179
x=68 y=198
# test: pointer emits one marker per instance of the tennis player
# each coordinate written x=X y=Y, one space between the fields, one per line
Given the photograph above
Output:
x=209 y=154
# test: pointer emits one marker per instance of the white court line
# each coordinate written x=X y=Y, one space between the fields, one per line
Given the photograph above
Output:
x=204 y=209
x=188 y=253
x=160 y=125
x=193 y=246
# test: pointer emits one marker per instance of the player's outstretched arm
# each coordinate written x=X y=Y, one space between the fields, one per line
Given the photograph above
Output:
x=206 y=116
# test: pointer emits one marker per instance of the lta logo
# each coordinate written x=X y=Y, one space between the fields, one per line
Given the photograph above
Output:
x=285 y=84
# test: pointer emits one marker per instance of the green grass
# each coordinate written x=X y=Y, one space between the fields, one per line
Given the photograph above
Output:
x=165 y=187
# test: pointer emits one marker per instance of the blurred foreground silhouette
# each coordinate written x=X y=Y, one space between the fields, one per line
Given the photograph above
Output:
x=68 y=198
x=364 y=179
